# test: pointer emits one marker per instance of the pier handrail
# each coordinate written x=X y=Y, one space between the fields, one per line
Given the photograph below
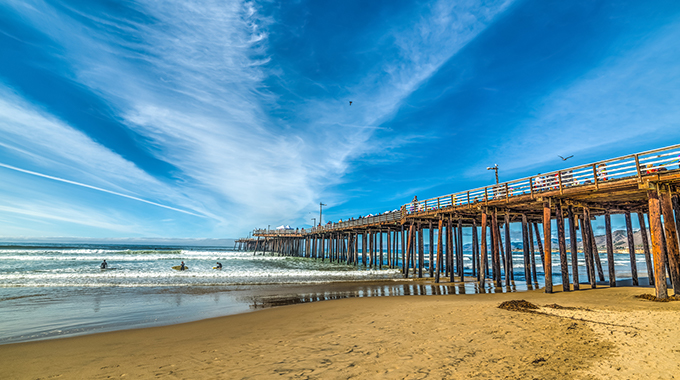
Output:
x=638 y=165
x=632 y=165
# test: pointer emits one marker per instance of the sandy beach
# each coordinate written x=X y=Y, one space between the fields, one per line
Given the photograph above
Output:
x=602 y=334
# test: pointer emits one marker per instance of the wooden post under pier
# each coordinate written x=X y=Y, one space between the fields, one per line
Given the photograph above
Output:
x=390 y=249
x=672 y=247
x=645 y=247
x=587 y=247
x=502 y=254
x=495 y=250
x=562 y=244
x=380 y=247
x=596 y=254
x=459 y=248
x=532 y=253
x=449 y=249
x=610 y=249
x=509 y=272
x=430 y=267
x=421 y=253
x=439 y=249
x=454 y=250
x=573 y=245
x=475 y=250
x=525 y=250
x=540 y=246
x=655 y=227
x=547 y=237
x=631 y=249
x=482 y=251
x=403 y=250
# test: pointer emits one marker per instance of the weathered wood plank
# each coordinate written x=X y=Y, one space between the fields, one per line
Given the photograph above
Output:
x=645 y=247
x=525 y=250
x=430 y=267
x=449 y=248
x=403 y=250
x=475 y=250
x=596 y=255
x=461 y=268
x=540 y=246
x=547 y=244
x=532 y=255
x=439 y=249
x=562 y=245
x=655 y=229
x=496 y=249
x=573 y=244
x=672 y=248
x=610 y=249
x=631 y=249
x=588 y=247
x=509 y=271
x=483 y=272
x=421 y=253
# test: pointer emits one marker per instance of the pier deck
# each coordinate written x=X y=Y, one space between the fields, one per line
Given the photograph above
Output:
x=645 y=183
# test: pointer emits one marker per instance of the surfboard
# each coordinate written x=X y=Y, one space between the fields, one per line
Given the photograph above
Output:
x=177 y=267
x=103 y=269
x=216 y=268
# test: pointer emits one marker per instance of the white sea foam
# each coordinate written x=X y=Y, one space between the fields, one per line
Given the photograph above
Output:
x=148 y=267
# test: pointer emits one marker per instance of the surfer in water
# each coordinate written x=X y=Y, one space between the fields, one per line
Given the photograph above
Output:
x=219 y=265
x=182 y=267
x=104 y=265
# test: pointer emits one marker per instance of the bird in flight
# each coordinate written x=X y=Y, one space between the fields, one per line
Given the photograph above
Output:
x=565 y=158
x=350 y=102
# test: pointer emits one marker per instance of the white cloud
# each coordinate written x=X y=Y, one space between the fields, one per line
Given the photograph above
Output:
x=44 y=215
x=424 y=46
x=39 y=140
x=189 y=79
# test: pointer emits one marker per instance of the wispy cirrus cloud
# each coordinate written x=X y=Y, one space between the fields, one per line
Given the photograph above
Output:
x=420 y=46
x=43 y=215
x=35 y=139
x=188 y=77
x=194 y=97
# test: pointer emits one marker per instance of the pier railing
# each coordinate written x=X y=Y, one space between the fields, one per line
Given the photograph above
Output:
x=640 y=165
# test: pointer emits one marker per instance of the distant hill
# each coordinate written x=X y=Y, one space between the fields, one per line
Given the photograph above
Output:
x=619 y=241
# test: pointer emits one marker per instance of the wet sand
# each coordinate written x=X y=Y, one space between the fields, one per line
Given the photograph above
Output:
x=611 y=334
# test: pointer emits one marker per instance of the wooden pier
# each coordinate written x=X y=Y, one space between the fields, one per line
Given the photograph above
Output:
x=645 y=184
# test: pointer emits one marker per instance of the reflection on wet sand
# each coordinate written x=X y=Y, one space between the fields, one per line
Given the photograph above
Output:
x=262 y=301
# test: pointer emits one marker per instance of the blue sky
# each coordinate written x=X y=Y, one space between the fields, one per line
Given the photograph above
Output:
x=205 y=119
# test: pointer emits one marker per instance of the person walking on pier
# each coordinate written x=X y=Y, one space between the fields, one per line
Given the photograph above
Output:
x=602 y=172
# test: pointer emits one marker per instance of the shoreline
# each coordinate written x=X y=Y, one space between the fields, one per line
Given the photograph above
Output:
x=444 y=336
x=35 y=314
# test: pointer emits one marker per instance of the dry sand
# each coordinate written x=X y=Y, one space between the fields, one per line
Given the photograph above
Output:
x=415 y=337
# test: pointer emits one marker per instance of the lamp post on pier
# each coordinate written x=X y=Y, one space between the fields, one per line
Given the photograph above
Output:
x=314 y=224
x=321 y=211
x=495 y=169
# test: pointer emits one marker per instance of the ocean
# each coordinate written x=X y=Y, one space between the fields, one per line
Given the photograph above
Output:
x=50 y=291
